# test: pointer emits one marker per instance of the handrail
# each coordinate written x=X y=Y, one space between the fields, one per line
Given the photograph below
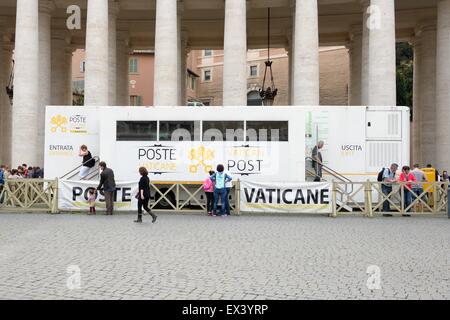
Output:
x=96 y=158
x=332 y=172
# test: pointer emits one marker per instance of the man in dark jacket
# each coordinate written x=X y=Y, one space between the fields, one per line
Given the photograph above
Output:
x=317 y=160
x=109 y=186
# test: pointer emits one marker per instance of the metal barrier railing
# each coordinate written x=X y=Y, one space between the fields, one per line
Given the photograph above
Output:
x=374 y=197
x=367 y=197
x=30 y=194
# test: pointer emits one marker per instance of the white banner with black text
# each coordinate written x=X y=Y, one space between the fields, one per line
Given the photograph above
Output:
x=73 y=195
x=308 y=197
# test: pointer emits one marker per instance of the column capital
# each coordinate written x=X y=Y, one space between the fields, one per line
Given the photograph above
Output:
x=46 y=6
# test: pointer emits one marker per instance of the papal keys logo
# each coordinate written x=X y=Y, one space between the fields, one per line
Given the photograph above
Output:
x=59 y=122
x=201 y=156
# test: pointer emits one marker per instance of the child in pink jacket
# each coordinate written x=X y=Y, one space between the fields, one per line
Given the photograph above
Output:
x=208 y=187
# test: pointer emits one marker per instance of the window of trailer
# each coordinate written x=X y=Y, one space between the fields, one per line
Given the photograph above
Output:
x=136 y=131
x=223 y=130
x=267 y=131
x=179 y=130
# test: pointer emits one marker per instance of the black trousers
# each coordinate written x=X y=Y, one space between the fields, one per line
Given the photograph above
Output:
x=209 y=201
x=143 y=204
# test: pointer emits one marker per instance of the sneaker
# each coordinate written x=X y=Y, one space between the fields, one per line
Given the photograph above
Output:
x=138 y=221
x=154 y=219
x=387 y=215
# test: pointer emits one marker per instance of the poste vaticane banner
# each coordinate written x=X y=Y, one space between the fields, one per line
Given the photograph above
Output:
x=73 y=195
x=309 y=197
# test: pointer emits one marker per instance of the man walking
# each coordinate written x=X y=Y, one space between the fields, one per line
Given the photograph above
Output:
x=389 y=178
x=109 y=186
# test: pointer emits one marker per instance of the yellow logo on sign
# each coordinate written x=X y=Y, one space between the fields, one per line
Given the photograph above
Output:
x=201 y=155
x=58 y=121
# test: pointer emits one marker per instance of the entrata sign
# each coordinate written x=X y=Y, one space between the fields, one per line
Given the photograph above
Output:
x=285 y=197
x=73 y=195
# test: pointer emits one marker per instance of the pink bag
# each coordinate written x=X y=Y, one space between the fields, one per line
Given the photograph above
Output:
x=208 y=185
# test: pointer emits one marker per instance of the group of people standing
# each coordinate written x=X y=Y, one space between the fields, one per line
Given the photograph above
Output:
x=413 y=179
x=22 y=172
x=217 y=187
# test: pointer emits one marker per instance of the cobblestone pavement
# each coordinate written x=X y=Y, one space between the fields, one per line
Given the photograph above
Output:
x=199 y=257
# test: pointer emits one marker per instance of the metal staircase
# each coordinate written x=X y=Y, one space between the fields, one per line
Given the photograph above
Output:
x=93 y=174
x=342 y=193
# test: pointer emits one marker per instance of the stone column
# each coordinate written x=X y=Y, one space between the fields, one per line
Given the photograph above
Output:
x=166 y=54
x=443 y=86
x=290 y=54
x=26 y=84
x=4 y=76
x=416 y=155
x=365 y=54
x=5 y=105
x=59 y=69
x=355 y=54
x=235 y=54
x=113 y=11
x=306 y=54
x=68 y=97
x=382 y=65
x=45 y=9
x=424 y=94
x=183 y=68
x=123 y=82
x=97 y=54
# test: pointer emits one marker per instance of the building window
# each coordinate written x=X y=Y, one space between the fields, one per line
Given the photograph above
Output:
x=207 y=53
x=207 y=75
x=253 y=71
x=133 y=65
x=192 y=83
x=135 y=101
x=82 y=66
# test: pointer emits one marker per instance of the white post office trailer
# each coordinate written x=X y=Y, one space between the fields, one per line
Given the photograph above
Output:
x=253 y=143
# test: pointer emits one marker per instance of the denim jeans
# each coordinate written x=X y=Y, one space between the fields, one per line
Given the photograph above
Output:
x=222 y=194
x=408 y=198
x=386 y=190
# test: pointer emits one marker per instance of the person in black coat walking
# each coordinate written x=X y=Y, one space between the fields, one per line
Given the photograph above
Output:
x=143 y=195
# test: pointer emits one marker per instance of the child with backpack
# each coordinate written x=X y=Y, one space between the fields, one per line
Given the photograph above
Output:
x=208 y=187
